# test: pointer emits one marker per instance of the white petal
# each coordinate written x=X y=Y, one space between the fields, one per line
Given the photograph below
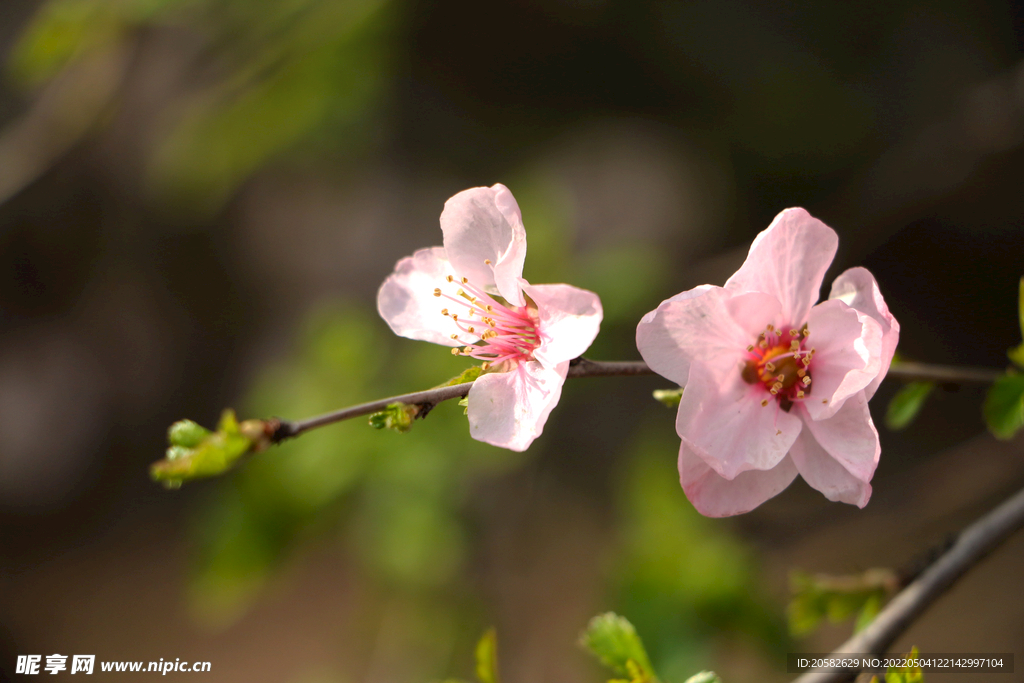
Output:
x=509 y=409
x=824 y=473
x=715 y=496
x=858 y=289
x=788 y=260
x=484 y=224
x=847 y=355
x=407 y=303
x=570 y=318
x=850 y=437
x=726 y=425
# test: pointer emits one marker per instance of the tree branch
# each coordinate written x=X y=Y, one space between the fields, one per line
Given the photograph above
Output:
x=973 y=545
x=583 y=367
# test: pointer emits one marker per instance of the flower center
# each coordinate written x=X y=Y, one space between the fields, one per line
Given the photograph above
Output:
x=780 y=362
x=506 y=333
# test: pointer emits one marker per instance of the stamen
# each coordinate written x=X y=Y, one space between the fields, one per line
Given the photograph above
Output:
x=465 y=280
x=764 y=403
x=750 y=348
x=487 y=261
x=455 y=351
x=806 y=381
x=450 y=278
x=437 y=291
x=444 y=311
x=769 y=366
x=800 y=393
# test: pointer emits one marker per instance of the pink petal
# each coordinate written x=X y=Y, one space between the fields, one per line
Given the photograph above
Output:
x=858 y=290
x=484 y=224
x=407 y=303
x=824 y=473
x=788 y=261
x=847 y=355
x=569 y=320
x=726 y=425
x=715 y=496
x=509 y=409
x=713 y=326
x=850 y=437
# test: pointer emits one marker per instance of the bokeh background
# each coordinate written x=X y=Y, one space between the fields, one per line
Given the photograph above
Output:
x=199 y=199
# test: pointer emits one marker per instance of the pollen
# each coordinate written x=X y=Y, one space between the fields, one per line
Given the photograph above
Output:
x=437 y=291
x=487 y=261
x=450 y=278
x=465 y=280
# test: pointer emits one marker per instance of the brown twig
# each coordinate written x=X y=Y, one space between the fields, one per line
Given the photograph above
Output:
x=971 y=546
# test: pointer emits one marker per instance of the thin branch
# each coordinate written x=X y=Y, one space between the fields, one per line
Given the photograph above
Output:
x=951 y=374
x=583 y=367
x=973 y=545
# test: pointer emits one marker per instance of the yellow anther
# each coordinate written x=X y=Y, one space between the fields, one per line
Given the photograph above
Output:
x=437 y=291
x=806 y=381
x=487 y=261
x=750 y=348
x=451 y=278
x=764 y=403
x=465 y=280
x=794 y=345
x=800 y=372
x=780 y=378
x=793 y=333
x=800 y=393
x=455 y=317
x=774 y=390
x=806 y=360
x=485 y=365
x=444 y=311
x=472 y=330
x=455 y=352
x=455 y=336
x=769 y=366
x=770 y=327
x=763 y=344
x=490 y=308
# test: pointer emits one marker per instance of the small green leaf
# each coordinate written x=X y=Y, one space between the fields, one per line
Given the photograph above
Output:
x=670 y=397
x=397 y=417
x=468 y=375
x=868 y=612
x=908 y=674
x=906 y=404
x=1004 y=406
x=614 y=641
x=487 y=657
x=704 y=677
x=212 y=453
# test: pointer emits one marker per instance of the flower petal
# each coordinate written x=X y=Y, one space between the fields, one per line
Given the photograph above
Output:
x=715 y=496
x=788 y=261
x=484 y=224
x=713 y=326
x=569 y=318
x=847 y=348
x=858 y=289
x=407 y=303
x=824 y=473
x=850 y=437
x=726 y=425
x=509 y=409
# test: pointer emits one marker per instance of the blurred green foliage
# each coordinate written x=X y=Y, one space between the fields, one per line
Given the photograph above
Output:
x=614 y=641
x=837 y=598
x=277 y=74
x=907 y=403
x=682 y=578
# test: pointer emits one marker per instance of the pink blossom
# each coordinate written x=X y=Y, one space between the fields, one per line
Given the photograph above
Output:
x=470 y=295
x=775 y=385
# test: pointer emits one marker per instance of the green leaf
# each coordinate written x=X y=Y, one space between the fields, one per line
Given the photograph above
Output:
x=868 y=612
x=614 y=641
x=670 y=397
x=704 y=677
x=397 y=417
x=906 y=404
x=837 y=598
x=186 y=433
x=468 y=375
x=1004 y=406
x=909 y=674
x=487 y=657
x=1016 y=355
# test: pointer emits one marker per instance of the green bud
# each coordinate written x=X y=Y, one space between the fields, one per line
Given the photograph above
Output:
x=176 y=452
x=397 y=417
x=186 y=433
x=670 y=397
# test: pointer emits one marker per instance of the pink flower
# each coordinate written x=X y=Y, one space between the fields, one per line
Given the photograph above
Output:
x=775 y=385
x=470 y=294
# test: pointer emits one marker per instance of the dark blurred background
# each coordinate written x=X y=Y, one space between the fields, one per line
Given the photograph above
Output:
x=199 y=199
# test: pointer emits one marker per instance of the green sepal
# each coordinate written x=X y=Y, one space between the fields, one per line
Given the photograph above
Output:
x=1004 y=406
x=487 y=657
x=906 y=404
x=211 y=453
x=670 y=397
x=396 y=417
x=614 y=641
